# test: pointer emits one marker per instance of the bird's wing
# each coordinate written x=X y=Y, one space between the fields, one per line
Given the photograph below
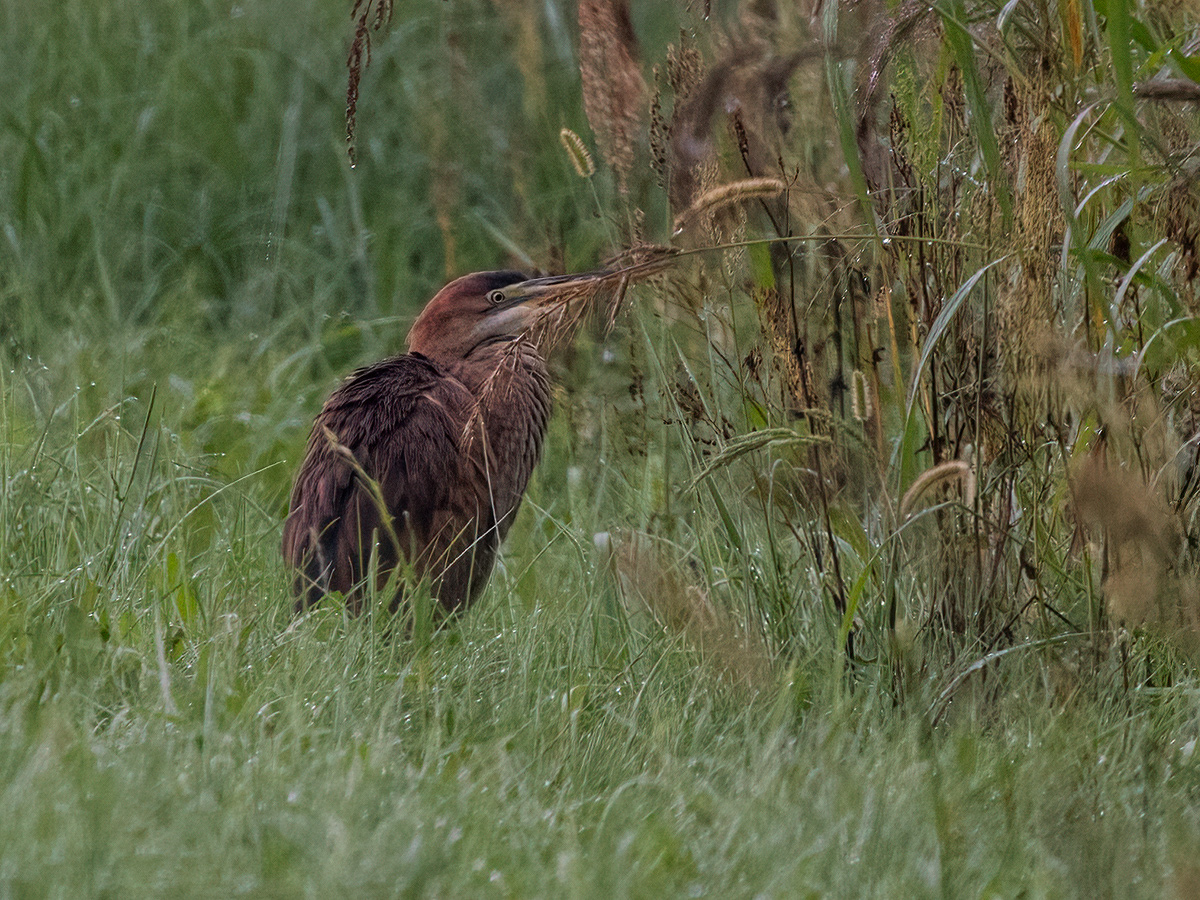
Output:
x=400 y=423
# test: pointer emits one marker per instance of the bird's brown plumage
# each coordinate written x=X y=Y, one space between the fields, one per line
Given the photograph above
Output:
x=450 y=432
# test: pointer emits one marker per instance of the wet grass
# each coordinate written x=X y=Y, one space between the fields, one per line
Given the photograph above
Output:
x=187 y=266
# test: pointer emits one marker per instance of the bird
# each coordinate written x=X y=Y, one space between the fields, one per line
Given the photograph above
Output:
x=421 y=460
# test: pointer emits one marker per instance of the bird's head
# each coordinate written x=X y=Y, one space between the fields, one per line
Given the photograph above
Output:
x=486 y=307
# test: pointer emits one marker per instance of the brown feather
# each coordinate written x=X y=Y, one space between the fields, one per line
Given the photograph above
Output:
x=450 y=442
x=424 y=458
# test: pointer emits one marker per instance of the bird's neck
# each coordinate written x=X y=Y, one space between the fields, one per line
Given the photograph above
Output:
x=497 y=366
x=512 y=391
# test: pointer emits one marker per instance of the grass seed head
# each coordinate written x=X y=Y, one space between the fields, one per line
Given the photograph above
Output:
x=727 y=195
x=943 y=473
x=369 y=15
x=578 y=153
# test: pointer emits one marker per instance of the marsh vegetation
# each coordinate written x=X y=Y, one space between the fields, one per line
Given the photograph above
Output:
x=863 y=559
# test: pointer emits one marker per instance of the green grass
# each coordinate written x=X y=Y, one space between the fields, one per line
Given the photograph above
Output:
x=187 y=266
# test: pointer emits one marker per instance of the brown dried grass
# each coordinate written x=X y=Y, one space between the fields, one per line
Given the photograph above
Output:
x=560 y=316
x=1139 y=537
x=613 y=86
x=1182 y=225
x=652 y=577
x=1026 y=309
x=775 y=317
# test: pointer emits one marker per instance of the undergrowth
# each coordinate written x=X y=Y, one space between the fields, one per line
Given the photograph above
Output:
x=863 y=558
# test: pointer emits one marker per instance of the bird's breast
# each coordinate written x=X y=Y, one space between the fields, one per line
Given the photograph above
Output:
x=513 y=400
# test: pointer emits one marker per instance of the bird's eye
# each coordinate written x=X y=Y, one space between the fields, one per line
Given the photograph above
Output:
x=495 y=297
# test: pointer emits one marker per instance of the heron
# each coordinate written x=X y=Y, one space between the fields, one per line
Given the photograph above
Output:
x=422 y=459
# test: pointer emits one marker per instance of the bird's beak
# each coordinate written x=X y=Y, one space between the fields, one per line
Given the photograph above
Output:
x=534 y=292
x=519 y=306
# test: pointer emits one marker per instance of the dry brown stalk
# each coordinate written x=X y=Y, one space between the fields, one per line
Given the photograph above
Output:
x=1026 y=308
x=1074 y=21
x=613 y=86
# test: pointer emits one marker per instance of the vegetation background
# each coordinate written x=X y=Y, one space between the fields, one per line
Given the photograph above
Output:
x=863 y=560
